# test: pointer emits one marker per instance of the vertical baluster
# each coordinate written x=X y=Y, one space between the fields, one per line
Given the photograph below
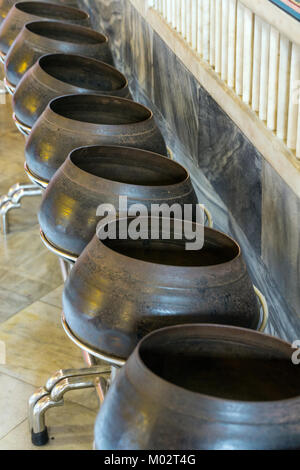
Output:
x=169 y=11
x=166 y=2
x=218 y=36
x=206 y=27
x=298 y=131
x=181 y=13
x=188 y=21
x=174 y=8
x=264 y=71
x=248 y=51
x=239 y=48
x=165 y=12
x=273 y=79
x=224 y=44
x=183 y=18
x=294 y=97
x=212 y=34
x=199 y=26
x=178 y=15
x=256 y=63
x=231 y=42
x=283 y=87
x=194 y=22
x=174 y=13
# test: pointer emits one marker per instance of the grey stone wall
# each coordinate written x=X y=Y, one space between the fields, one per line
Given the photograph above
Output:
x=247 y=198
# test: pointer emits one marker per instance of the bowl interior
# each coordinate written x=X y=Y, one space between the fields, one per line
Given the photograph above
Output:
x=228 y=369
x=82 y=72
x=64 y=32
x=100 y=110
x=128 y=166
x=217 y=248
x=50 y=10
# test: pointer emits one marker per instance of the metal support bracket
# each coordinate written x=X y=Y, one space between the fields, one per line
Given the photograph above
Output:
x=52 y=395
x=13 y=198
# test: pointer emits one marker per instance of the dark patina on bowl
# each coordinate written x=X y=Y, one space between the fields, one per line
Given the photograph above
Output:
x=26 y=12
x=203 y=387
x=121 y=289
x=72 y=121
x=100 y=175
x=55 y=75
x=42 y=37
x=5 y=5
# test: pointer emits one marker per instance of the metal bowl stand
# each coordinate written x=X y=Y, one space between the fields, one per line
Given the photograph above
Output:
x=19 y=190
x=98 y=376
x=64 y=380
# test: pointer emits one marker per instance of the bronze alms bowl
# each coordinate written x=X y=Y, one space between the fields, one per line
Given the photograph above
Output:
x=121 y=289
x=100 y=175
x=80 y=120
x=5 y=5
x=205 y=387
x=26 y=12
x=42 y=37
x=55 y=75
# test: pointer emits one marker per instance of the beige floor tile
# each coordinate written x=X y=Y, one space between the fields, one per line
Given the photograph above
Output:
x=43 y=266
x=70 y=427
x=54 y=297
x=19 y=248
x=28 y=271
x=6 y=122
x=12 y=145
x=11 y=303
x=23 y=285
x=36 y=347
x=7 y=180
x=14 y=396
x=36 y=344
x=12 y=154
x=17 y=291
x=23 y=252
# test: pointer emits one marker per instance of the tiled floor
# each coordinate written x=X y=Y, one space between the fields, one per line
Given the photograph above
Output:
x=30 y=307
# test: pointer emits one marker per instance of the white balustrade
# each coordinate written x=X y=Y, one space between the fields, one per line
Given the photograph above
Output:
x=259 y=62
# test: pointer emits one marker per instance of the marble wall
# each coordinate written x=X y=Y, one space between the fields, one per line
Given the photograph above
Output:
x=247 y=198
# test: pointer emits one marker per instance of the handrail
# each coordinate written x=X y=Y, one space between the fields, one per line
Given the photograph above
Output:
x=278 y=18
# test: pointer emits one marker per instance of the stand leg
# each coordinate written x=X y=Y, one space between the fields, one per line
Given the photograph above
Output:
x=13 y=198
x=65 y=268
x=4 y=209
x=52 y=395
